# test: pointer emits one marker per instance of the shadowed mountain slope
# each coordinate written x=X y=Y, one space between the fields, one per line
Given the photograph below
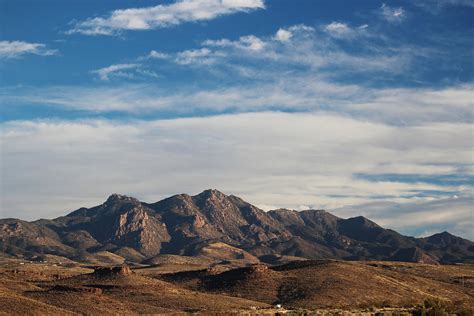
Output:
x=212 y=222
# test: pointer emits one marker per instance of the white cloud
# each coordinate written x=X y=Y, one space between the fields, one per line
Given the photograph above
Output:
x=300 y=94
x=284 y=160
x=338 y=29
x=298 y=45
x=253 y=43
x=15 y=49
x=250 y=43
x=392 y=14
x=147 y=73
x=128 y=71
x=162 y=16
x=313 y=50
x=283 y=35
x=157 y=55
x=106 y=72
x=196 y=56
x=342 y=30
x=411 y=106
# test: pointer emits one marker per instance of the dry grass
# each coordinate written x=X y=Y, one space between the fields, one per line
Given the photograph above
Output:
x=311 y=287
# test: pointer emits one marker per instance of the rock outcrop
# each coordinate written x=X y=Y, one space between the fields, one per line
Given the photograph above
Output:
x=112 y=271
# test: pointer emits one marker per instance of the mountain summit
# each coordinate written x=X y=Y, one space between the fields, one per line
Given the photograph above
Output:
x=126 y=228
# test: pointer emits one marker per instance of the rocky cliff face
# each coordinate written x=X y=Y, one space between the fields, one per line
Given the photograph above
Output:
x=184 y=224
x=214 y=216
x=136 y=229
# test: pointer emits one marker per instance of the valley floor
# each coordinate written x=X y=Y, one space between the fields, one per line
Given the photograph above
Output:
x=297 y=288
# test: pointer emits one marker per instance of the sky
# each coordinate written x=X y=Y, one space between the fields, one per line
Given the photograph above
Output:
x=357 y=107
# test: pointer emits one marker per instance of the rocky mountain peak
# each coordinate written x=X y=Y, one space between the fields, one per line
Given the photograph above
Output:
x=362 y=222
x=444 y=238
x=211 y=194
x=120 y=198
x=283 y=210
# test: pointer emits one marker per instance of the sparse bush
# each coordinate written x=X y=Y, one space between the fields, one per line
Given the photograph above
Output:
x=437 y=311
x=419 y=311
x=380 y=304
x=432 y=303
x=466 y=312
x=386 y=303
x=431 y=307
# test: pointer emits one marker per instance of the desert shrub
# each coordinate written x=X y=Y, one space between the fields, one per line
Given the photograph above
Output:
x=386 y=303
x=431 y=307
x=466 y=312
x=381 y=304
x=437 y=311
x=419 y=311
x=432 y=303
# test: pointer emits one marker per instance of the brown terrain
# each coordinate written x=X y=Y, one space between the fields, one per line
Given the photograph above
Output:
x=217 y=254
x=299 y=286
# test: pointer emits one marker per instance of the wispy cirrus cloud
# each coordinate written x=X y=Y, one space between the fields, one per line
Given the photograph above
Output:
x=123 y=70
x=466 y=3
x=436 y=6
x=403 y=107
x=157 y=55
x=342 y=30
x=16 y=49
x=203 y=56
x=249 y=42
x=392 y=14
x=338 y=29
x=106 y=72
x=309 y=49
x=162 y=16
x=296 y=68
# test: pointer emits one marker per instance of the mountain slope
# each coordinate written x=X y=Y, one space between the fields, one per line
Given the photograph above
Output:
x=130 y=230
x=214 y=216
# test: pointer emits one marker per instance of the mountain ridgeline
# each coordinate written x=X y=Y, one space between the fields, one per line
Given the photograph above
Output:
x=123 y=227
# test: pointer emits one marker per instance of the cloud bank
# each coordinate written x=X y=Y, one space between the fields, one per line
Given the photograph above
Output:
x=420 y=218
x=285 y=159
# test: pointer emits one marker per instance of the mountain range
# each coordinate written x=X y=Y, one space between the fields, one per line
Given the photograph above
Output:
x=123 y=228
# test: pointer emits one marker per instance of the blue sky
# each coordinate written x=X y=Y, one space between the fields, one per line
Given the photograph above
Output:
x=359 y=107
